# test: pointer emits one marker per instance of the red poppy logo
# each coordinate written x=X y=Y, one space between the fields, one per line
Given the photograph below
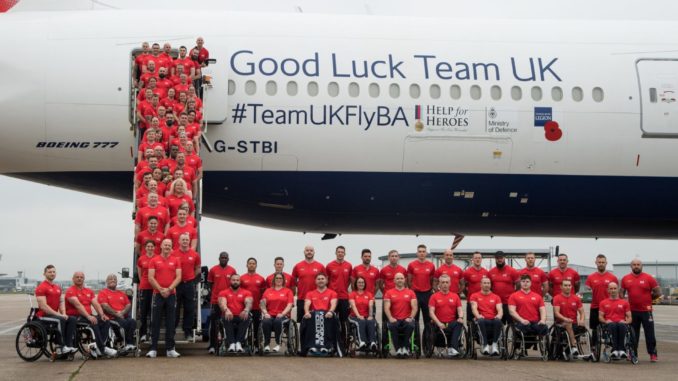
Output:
x=552 y=131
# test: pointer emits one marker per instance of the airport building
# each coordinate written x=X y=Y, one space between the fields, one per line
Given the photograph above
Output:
x=665 y=272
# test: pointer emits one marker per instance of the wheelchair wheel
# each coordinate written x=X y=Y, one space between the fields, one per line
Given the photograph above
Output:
x=31 y=341
x=292 y=343
x=629 y=345
x=250 y=339
x=429 y=342
x=260 y=340
x=597 y=346
x=511 y=345
x=84 y=336
x=379 y=352
x=464 y=351
x=471 y=342
x=543 y=344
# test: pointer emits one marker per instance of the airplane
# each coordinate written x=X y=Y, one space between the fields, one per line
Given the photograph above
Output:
x=433 y=117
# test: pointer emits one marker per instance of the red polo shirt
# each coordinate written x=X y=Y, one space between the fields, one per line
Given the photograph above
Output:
x=304 y=274
x=371 y=274
x=473 y=278
x=85 y=297
x=189 y=261
x=527 y=304
x=235 y=300
x=556 y=277
x=422 y=273
x=454 y=272
x=388 y=273
x=339 y=275
x=614 y=310
x=598 y=283
x=277 y=300
x=52 y=294
x=568 y=305
x=255 y=284
x=220 y=277
x=503 y=282
x=446 y=305
x=165 y=270
x=401 y=307
x=116 y=299
x=487 y=304
x=639 y=290
x=320 y=301
x=538 y=277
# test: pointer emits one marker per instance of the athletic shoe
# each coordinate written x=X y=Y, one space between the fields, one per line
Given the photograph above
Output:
x=110 y=352
x=486 y=350
x=495 y=349
x=231 y=348
x=406 y=352
x=267 y=349
x=211 y=351
x=129 y=347
x=622 y=354
x=653 y=358
x=152 y=354
x=324 y=350
x=313 y=350
x=238 y=348
x=143 y=339
x=374 y=346
x=362 y=345
x=452 y=352
x=189 y=337
x=59 y=351
x=172 y=353
x=400 y=352
x=574 y=351
x=614 y=355
x=276 y=349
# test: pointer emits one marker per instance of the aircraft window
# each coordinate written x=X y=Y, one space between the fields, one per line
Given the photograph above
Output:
x=455 y=92
x=577 y=94
x=536 y=93
x=292 y=88
x=250 y=87
x=374 y=90
x=415 y=91
x=333 y=89
x=394 y=90
x=476 y=92
x=231 y=87
x=557 y=94
x=313 y=89
x=271 y=88
x=516 y=93
x=434 y=90
x=353 y=89
x=598 y=94
x=495 y=93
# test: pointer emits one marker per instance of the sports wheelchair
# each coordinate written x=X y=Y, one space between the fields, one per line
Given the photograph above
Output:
x=413 y=345
x=116 y=340
x=436 y=343
x=559 y=341
x=352 y=341
x=289 y=337
x=222 y=342
x=603 y=348
x=518 y=342
x=474 y=338
x=317 y=322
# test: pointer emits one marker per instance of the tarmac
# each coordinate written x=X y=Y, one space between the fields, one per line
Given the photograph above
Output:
x=196 y=364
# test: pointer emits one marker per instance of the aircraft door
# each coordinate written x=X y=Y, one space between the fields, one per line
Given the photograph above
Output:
x=658 y=80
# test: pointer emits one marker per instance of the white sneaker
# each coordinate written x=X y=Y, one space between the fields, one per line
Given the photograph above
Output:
x=276 y=348
x=495 y=349
x=211 y=351
x=129 y=347
x=574 y=351
x=172 y=353
x=231 y=348
x=152 y=354
x=267 y=349
x=399 y=352
x=238 y=348
x=452 y=352
x=313 y=350
x=362 y=345
x=110 y=352
x=143 y=339
x=614 y=355
x=59 y=351
x=406 y=352
x=622 y=354
x=324 y=350
x=486 y=350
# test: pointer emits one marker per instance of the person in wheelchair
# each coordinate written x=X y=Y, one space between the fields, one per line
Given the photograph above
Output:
x=400 y=306
x=235 y=304
x=447 y=314
x=79 y=303
x=361 y=303
x=276 y=305
x=319 y=307
x=615 y=316
x=487 y=311
x=527 y=309
x=52 y=311
x=568 y=313
x=116 y=306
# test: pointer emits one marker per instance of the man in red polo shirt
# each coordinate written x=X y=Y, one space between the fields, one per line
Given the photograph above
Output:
x=557 y=275
x=388 y=272
x=303 y=275
x=320 y=304
x=190 y=271
x=367 y=271
x=472 y=277
x=153 y=209
x=218 y=279
x=540 y=281
x=598 y=283
x=450 y=269
x=203 y=54
x=185 y=61
x=400 y=306
x=182 y=227
x=568 y=311
x=145 y=288
x=447 y=314
x=339 y=278
x=527 y=309
x=52 y=310
x=279 y=266
x=487 y=311
x=235 y=303
x=141 y=58
x=504 y=280
x=116 y=306
x=641 y=289
x=615 y=314
x=420 y=278
x=150 y=234
x=255 y=284
x=80 y=303
x=164 y=274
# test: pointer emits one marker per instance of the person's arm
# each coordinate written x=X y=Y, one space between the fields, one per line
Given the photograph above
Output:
x=409 y=279
x=109 y=310
x=474 y=310
x=380 y=285
x=307 y=308
x=287 y=309
x=514 y=314
x=333 y=307
x=177 y=280
x=99 y=310
x=197 y=269
x=415 y=308
x=434 y=318
x=44 y=307
x=223 y=305
x=582 y=316
x=460 y=314
x=500 y=311
x=248 y=307
x=628 y=318
x=542 y=315
x=601 y=316
x=656 y=292
x=81 y=309
x=434 y=283
x=558 y=316
x=577 y=284
x=370 y=309
x=387 y=310
x=545 y=288
x=264 y=310
x=194 y=243
x=351 y=303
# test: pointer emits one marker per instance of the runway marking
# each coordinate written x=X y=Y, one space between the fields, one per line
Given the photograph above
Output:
x=10 y=322
x=11 y=331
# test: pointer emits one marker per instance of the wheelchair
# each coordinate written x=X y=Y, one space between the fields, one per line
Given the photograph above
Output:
x=474 y=339
x=37 y=338
x=116 y=340
x=221 y=342
x=517 y=343
x=559 y=341
x=436 y=343
x=289 y=337
x=337 y=350
x=413 y=344
x=352 y=341
x=603 y=348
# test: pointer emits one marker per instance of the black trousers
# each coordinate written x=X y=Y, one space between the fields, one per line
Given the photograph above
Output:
x=275 y=325
x=168 y=307
x=215 y=315
x=422 y=302
x=128 y=324
x=342 y=309
x=401 y=327
x=452 y=333
x=236 y=329
x=65 y=328
x=256 y=321
x=145 y=303
x=100 y=330
x=367 y=329
x=533 y=328
x=645 y=319
x=617 y=333
x=300 y=310
x=490 y=330
x=593 y=324
x=506 y=315
x=318 y=332
x=186 y=299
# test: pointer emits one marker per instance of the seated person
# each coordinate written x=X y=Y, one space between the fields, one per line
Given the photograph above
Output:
x=568 y=311
x=400 y=307
x=235 y=304
x=487 y=311
x=615 y=314
x=447 y=314
x=79 y=303
x=276 y=305
x=116 y=306
x=361 y=303
x=527 y=309
x=52 y=311
x=320 y=305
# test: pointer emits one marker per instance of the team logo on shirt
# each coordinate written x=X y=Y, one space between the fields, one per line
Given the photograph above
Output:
x=533 y=298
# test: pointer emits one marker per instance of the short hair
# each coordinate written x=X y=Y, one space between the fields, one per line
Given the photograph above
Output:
x=477 y=252
x=566 y=280
x=562 y=255
x=182 y=47
x=339 y=247
x=601 y=256
x=152 y=217
x=278 y=259
x=392 y=251
x=421 y=246
x=48 y=267
x=320 y=274
x=149 y=241
x=444 y=276
x=251 y=259
x=525 y=276
x=365 y=251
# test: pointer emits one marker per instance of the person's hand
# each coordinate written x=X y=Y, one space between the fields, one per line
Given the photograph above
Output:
x=359 y=317
x=165 y=292
x=409 y=320
x=228 y=315
x=440 y=325
x=307 y=315
x=460 y=320
x=104 y=318
x=243 y=315
x=267 y=316
x=542 y=322
x=392 y=320
x=370 y=318
x=524 y=322
x=280 y=316
x=92 y=319
x=329 y=314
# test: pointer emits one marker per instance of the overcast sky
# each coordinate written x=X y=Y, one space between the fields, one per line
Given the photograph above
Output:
x=77 y=231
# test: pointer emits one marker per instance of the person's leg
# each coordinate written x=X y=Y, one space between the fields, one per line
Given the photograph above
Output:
x=593 y=324
x=648 y=327
x=541 y=329
x=170 y=306
x=145 y=302
x=496 y=330
x=59 y=323
x=278 y=327
x=100 y=333
x=179 y=293
x=266 y=327
x=189 y=307
x=371 y=331
x=128 y=325
x=617 y=331
x=331 y=325
x=570 y=333
x=228 y=330
x=300 y=310
x=243 y=324
x=483 y=325
x=215 y=315
x=408 y=328
x=455 y=329
x=256 y=320
x=393 y=329
x=384 y=328
x=506 y=315
x=636 y=323
x=156 y=313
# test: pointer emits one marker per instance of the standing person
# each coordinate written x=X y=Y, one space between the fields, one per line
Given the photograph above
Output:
x=568 y=311
x=303 y=275
x=450 y=269
x=164 y=274
x=540 y=281
x=255 y=284
x=367 y=271
x=279 y=266
x=190 y=272
x=503 y=279
x=235 y=303
x=362 y=315
x=387 y=282
x=339 y=278
x=615 y=314
x=276 y=306
x=641 y=288
x=420 y=278
x=218 y=279
x=447 y=313
x=560 y=273
x=145 y=288
x=598 y=283
x=473 y=275
x=487 y=311
x=400 y=307
x=52 y=309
